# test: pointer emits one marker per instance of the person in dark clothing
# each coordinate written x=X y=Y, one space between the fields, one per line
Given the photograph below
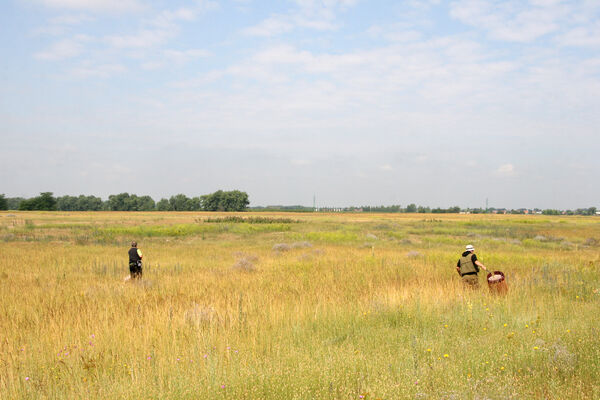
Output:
x=468 y=266
x=135 y=261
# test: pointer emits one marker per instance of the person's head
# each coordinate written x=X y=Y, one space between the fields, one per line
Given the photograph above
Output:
x=134 y=244
x=470 y=248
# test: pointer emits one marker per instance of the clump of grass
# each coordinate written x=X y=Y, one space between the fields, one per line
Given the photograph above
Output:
x=413 y=254
x=561 y=359
x=245 y=264
x=301 y=245
x=200 y=315
x=281 y=247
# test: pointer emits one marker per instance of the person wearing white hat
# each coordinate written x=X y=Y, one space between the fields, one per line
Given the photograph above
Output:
x=468 y=266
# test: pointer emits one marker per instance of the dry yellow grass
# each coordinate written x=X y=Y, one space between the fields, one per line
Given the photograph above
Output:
x=355 y=305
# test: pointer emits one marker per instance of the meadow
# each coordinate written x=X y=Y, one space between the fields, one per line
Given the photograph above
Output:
x=297 y=306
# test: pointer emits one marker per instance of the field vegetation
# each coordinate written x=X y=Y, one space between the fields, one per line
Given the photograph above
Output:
x=296 y=306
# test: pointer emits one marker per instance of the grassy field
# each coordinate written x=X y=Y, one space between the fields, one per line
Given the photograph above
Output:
x=297 y=306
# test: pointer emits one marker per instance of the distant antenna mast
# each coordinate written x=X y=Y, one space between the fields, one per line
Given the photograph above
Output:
x=486 y=205
x=314 y=202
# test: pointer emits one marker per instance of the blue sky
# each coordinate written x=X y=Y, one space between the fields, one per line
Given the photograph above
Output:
x=438 y=103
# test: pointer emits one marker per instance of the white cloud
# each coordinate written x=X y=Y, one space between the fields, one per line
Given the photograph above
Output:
x=70 y=19
x=61 y=24
x=63 y=49
x=143 y=39
x=588 y=36
x=512 y=20
x=506 y=170
x=94 y=5
x=168 y=17
x=182 y=55
x=175 y=57
x=97 y=71
x=272 y=26
x=280 y=24
x=160 y=29
x=309 y=14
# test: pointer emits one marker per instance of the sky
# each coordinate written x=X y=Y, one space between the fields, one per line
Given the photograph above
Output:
x=354 y=102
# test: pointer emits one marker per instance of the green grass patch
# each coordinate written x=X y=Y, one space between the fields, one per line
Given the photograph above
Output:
x=234 y=219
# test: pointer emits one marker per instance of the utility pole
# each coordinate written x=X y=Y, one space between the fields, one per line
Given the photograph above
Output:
x=314 y=202
x=486 y=205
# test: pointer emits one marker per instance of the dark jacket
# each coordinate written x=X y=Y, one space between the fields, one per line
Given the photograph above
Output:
x=134 y=257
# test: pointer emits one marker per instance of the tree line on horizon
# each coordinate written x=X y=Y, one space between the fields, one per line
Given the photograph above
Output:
x=220 y=200
x=234 y=200
x=413 y=208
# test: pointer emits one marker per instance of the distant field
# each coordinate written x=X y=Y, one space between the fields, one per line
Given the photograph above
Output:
x=297 y=306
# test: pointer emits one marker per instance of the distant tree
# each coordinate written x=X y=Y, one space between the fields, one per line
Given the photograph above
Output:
x=133 y=202
x=90 y=203
x=225 y=201
x=66 y=203
x=550 y=212
x=14 y=202
x=180 y=202
x=236 y=201
x=381 y=209
x=450 y=210
x=44 y=202
x=119 y=202
x=411 y=208
x=145 y=203
x=211 y=202
x=295 y=208
x=195 y=203
x=163 y=205
x=422 y=209
x=586 y=211
x=3 y=202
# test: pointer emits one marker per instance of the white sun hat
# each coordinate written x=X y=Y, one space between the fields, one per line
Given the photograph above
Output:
x=470 y=247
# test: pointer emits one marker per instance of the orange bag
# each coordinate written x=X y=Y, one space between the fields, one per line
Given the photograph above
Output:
x=497 y=282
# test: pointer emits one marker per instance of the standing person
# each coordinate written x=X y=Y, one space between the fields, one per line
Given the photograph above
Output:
x=468 y=266
x=135 y=261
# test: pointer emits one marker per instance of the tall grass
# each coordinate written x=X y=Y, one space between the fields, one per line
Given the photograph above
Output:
x=336 y=320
